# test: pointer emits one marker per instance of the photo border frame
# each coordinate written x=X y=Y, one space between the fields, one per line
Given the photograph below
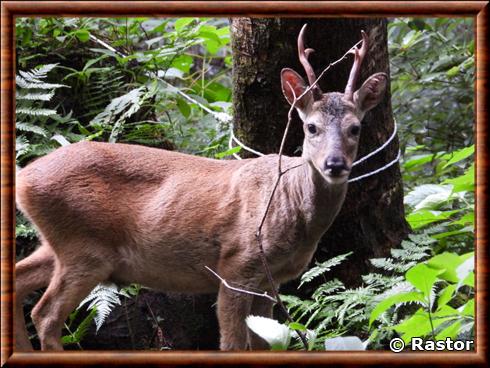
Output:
x=12 y=9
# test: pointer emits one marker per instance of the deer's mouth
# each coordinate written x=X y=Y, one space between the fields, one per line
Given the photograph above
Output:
x=336 y=177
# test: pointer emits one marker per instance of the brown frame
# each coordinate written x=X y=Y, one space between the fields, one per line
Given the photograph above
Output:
x=12 y=9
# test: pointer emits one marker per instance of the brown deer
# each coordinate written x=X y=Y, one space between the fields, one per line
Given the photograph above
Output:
x=126 y=213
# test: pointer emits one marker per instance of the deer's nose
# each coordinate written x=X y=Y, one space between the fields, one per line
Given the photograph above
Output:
x=335 y=165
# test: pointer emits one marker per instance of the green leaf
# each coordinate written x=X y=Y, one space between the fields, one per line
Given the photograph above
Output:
x=422 y=218
x=183 y=62
x=423 y=278
x=448 y=262
x=297 y=326
x=387 y=303
x=465 y=182
x=229 y=152
x=83 y=35
x=454 y=71
x=417 y=161
x=182 y=23
x=469 y=308
x=446 y=295
x=184 y=107
x=460 y=155
x=449 y=332
x=418 y=325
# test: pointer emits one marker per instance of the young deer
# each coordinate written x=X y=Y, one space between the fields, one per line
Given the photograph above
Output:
x=128 y=213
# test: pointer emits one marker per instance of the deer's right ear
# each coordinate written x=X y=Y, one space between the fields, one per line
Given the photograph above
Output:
x=293 y=86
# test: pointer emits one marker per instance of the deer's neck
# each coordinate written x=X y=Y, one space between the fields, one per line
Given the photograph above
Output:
x=317 y=201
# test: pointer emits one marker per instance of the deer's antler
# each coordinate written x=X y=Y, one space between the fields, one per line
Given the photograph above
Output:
x=303 y=58
x=356 y=67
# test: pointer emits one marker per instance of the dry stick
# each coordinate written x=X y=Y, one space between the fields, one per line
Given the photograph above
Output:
x=258 y=234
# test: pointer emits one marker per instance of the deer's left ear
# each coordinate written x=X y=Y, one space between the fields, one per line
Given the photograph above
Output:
x=371 y=92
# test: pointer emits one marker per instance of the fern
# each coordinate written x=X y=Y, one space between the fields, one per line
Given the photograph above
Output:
x=37 y=124
x=32 y=111
x=104 y=297
x=120 y=109
x=321 y=268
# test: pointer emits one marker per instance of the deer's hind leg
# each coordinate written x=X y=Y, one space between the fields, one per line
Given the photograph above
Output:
x=75 y=275
x=31 y=273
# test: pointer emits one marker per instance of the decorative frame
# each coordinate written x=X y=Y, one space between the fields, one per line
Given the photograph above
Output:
x=11 y=9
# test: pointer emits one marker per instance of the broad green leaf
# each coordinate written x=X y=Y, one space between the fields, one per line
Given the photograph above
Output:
x=467 y=219
x=422 y=278
x=417 y=161
x=184 y=107
x=183 y=62
x=459 y=155
x=447 y=262
x=449 y=332
x=465 y=230
x=418 y=325
x=83 y=35
x=384 y=305
x=446 y=295
x=182 y=22
x=422 y=218
x=465 y=182
x=469 y=308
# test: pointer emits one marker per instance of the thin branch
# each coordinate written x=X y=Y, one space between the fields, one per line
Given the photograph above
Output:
x=263 y=295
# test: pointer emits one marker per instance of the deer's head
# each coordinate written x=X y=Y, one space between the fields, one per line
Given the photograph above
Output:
x=332 y=121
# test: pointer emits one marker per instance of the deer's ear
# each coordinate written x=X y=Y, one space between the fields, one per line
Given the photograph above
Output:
x=371 y=92
x=293 y=86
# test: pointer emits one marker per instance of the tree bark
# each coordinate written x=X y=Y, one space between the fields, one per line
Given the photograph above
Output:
x=372 y=219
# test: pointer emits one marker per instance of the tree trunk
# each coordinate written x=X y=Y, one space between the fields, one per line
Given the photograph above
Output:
x=372 y=219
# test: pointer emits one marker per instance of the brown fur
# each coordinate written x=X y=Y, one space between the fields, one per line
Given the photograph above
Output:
x=136 y=214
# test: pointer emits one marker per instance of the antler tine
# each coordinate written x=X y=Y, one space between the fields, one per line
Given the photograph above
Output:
x=356 y=67
x=303 y=58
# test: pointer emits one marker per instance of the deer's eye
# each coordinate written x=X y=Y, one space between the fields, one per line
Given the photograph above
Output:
x=311 y=128
x=355 y=130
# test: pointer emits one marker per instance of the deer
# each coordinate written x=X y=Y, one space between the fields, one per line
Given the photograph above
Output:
x=132 y=214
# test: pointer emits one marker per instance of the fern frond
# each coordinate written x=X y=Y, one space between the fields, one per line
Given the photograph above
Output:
x=28 y=127
x=22 y=146
x=23 y=83
x=34 y=96
x=34 y=111
x=104 y=297
x=321 y=268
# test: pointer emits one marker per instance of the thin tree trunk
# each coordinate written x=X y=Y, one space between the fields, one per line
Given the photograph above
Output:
x=372 y=219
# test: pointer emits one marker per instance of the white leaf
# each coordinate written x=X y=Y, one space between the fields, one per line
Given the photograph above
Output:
x=345 y=343
x=464 y=269
x=60 y=139
x=277 y=335
x=428 y=196
x=171 y=73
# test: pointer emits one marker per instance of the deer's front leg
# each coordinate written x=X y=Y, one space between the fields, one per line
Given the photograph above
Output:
x=233 y=308
x=260 y=307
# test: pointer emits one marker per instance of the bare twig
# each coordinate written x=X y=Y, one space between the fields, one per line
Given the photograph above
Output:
x=263 y=295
